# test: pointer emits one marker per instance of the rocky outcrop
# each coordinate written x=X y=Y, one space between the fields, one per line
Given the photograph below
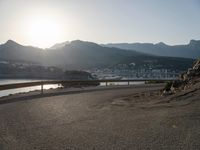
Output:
x=186 y=80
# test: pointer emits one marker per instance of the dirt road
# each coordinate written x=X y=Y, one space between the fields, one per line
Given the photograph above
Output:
x=115 y=119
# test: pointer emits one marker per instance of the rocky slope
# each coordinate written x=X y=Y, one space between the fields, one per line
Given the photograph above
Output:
x=187 y=80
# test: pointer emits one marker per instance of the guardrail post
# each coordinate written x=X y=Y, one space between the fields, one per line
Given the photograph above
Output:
x=106 y=83
x=42 y=88
x=128 y=83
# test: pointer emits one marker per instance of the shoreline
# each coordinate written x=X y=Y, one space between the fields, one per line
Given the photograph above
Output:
x=10 y=92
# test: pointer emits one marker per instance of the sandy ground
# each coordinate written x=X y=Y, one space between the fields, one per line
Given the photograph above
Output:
x=107 y=119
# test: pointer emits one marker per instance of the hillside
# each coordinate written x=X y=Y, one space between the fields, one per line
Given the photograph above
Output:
x=191 y=50
x=189 y=80
x=15 y=52
x=86 y=55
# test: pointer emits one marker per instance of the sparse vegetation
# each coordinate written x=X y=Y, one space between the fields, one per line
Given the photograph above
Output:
x=187 y=79
x=168 y=86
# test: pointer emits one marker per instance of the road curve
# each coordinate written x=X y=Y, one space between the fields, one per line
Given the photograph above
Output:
x=97 y=120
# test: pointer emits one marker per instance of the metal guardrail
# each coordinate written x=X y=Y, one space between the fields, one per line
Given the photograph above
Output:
x=42 y=83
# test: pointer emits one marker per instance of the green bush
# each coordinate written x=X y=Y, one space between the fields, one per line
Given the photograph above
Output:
x=168 y=86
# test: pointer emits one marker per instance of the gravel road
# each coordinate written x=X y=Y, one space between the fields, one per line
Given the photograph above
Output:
x=112 y=119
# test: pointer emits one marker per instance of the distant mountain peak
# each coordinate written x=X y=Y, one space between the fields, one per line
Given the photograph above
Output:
x=191 y=50
x=161 y=44
x=76 y=42
x=59 y=45
x=83 y=43
x=11 y=42
x=80 y=42
x=194 y=42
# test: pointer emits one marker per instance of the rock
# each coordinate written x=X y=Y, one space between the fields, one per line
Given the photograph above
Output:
x=186 y=79
x=197 y=65
x=166 y=93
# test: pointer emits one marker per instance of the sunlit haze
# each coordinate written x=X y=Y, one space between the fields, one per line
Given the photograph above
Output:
x=44 y=23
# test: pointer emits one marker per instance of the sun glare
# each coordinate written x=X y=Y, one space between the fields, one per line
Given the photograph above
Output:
x=44 y=31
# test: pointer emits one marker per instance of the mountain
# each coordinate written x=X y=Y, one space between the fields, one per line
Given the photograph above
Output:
x=191 y=50
x=59 y=45
x=15 y=52
x=87 y=55
x=81 y=54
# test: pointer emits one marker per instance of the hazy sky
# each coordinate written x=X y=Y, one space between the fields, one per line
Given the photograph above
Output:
x=45 y=22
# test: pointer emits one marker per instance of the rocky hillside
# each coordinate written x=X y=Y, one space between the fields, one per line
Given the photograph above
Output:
x=187 y=80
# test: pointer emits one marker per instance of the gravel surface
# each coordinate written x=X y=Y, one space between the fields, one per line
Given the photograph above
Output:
x=111 y=119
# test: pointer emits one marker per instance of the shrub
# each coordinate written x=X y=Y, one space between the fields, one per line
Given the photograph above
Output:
x=168 y=86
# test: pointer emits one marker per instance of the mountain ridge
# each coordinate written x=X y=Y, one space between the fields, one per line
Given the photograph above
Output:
x=86 y=55
x=190 y=50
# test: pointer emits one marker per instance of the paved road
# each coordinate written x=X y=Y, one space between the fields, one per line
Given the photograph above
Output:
x=98 y=120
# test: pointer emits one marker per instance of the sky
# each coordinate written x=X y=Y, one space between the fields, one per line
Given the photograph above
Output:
x=43 y=23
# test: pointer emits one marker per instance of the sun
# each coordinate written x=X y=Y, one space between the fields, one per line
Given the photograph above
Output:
x=44 y=31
